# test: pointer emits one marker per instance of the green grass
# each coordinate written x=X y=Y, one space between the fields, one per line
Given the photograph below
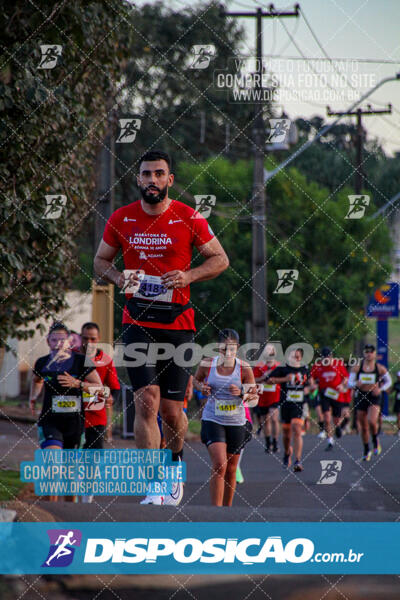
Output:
x=195 y=426
x=394 y=345
x=10 y=485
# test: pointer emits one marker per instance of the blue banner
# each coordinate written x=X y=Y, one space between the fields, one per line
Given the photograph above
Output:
x=385 y=302
x=134 y=548
x=102 y=472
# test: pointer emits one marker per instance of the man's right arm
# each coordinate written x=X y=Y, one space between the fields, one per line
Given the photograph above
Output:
x=103 y=264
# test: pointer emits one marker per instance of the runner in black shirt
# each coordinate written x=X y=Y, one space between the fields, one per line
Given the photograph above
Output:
x=64 y=376
x=293 y=379
x=396 y=405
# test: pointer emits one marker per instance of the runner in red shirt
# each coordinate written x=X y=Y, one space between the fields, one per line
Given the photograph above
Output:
x=268 y=404
x=332 y=377
x=96 y=420
x=157 y=235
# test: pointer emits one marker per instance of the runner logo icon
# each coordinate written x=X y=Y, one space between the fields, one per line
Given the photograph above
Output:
x=55 y=205
x=357 y=206
x=202 y=56
x=279 y=130
x=129 y=129
x=62 y=547
x=287 y=278
x=330 y=471
x=50 y=54
x=204 y=204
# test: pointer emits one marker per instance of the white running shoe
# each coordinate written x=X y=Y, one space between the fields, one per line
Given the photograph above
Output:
x=153 y=499
x=175 y=497
x=322 y=435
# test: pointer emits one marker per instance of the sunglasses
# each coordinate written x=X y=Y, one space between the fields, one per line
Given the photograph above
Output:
x=368 y=351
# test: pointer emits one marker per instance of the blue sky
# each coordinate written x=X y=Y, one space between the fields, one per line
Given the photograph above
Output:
x=347 y=30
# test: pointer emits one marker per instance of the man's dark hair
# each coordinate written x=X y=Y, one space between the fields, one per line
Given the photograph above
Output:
x=58 y=326
x=228 y=334
x=156 y=155
x=90 y=325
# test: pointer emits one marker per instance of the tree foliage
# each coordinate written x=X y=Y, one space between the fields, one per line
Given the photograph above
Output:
x=339 y=260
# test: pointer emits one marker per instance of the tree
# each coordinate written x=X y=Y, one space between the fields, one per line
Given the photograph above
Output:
x=176 y=101
x=52 y=121
x=339 y=260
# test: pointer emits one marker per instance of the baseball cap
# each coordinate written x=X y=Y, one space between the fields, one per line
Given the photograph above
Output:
x=369 y=347
x=326 y=351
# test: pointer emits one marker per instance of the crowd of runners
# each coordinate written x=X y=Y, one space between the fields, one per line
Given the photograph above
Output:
x=156 y=236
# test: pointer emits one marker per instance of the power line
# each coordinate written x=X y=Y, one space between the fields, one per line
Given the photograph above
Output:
x=323 y=49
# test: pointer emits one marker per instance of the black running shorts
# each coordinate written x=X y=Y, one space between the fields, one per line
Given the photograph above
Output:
x=291 y=410
x=329 y=403
x=365 y=399
x=94 y=437
x=66 y=433
x=172 y=378
x=234 y=436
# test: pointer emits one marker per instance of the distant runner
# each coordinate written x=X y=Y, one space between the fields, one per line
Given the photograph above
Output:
x=294 y=380
x=268 y=404
x=371 y=379
x=332 y=377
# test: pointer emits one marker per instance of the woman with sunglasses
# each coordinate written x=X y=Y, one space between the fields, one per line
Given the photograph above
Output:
x=223 y=428
x=370 y=379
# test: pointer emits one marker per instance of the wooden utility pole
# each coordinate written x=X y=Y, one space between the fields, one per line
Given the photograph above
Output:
x=359 y=113
x=259 y=200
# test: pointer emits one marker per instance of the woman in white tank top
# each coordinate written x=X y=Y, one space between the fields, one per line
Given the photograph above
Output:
x=223 y=431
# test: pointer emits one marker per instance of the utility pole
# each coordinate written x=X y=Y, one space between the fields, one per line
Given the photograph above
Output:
x=382 y=326
x=103 y=292
x=259 y=200
x=358 y=175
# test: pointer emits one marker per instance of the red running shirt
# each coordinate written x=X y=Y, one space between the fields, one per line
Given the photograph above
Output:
x=267 y=398
x=108 y=375
x=330 y=376
x=158 y=244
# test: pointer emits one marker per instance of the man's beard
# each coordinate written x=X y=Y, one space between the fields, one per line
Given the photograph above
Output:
x=153 y=198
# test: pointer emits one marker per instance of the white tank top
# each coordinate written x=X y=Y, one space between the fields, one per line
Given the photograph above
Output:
x=223 y=407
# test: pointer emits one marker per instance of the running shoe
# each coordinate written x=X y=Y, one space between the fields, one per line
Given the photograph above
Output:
x=267 y=450
x=330 y=445
x=239 y=475
x=378 y=450
x=86 y=499
x=275 y=448
x=338 y=431
x=176 y=495
x=367 y=457
x=153 y=499
x=297 y=467
x=287 y=460
x=322 y=435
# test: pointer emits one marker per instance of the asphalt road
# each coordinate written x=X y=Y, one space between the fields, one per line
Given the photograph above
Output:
x=362 y=491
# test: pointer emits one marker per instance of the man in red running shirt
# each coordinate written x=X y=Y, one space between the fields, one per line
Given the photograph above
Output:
x=157 y=235
x=268 y=403
x=332 y=377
